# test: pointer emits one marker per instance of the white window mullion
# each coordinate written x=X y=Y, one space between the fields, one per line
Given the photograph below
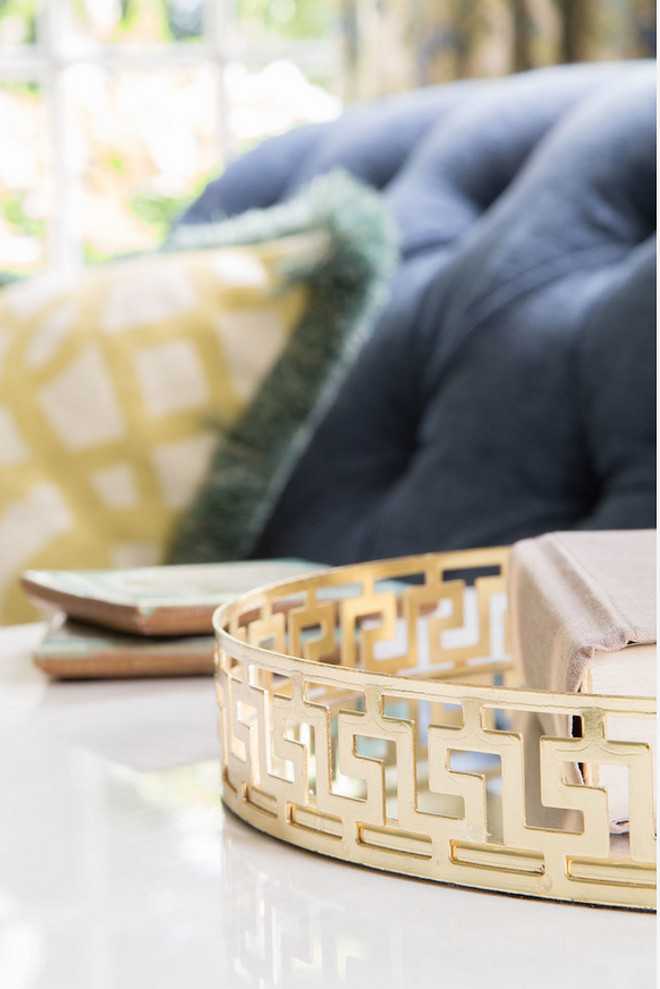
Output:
x=218 y=19
x=63 y=230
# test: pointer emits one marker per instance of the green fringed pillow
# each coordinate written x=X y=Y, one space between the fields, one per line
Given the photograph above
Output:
x=346 y=284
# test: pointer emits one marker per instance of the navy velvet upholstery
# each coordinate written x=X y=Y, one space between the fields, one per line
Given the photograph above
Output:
x=508 y=388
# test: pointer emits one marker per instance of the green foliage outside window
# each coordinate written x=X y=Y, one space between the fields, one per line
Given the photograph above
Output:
x=20 y=20
x=13 y=210
x=157 y=211
x=290 y=19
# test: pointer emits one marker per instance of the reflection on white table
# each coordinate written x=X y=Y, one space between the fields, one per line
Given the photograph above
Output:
x=120 y=868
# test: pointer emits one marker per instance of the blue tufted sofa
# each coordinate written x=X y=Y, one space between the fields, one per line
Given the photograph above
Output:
x=509 y=386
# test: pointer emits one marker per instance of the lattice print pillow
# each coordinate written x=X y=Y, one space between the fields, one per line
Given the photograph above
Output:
x=107 y=386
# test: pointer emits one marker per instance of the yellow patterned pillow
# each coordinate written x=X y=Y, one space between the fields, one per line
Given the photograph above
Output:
x=107 y=386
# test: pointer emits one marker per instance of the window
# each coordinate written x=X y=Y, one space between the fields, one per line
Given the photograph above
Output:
x=114 y=112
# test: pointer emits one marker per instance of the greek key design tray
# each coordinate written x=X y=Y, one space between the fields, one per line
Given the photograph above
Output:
x=371 y=713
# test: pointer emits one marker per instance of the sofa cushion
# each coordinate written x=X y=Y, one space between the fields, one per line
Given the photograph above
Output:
x=464 y=421
x=616 y=381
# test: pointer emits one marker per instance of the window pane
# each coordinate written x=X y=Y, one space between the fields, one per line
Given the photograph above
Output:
x=273 y=100
x=185 y=18
x=262 y=20
x=23 y=177
x=17 y=22
x=148 y=138
x=145 y=22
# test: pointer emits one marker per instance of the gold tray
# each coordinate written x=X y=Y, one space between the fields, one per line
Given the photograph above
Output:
x=371 y=713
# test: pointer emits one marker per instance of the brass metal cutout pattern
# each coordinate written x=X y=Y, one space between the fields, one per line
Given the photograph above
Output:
x=371 y=713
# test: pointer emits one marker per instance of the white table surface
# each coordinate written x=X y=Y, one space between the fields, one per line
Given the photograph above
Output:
x=119 y=867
